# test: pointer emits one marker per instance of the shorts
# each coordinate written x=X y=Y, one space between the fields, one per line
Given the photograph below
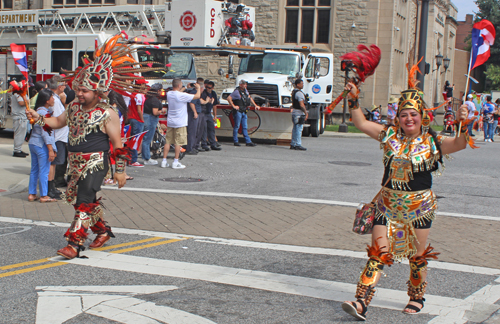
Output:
x=61 y=153
x=176 y=136
x=424 y=223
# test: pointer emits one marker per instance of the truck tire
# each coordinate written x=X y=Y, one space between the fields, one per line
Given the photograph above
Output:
x=306 y=131
x=315 y=127
x=323 y=122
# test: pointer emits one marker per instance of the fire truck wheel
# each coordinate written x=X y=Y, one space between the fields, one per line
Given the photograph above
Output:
x=315 y=127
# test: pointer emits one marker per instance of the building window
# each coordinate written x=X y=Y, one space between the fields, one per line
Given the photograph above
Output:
x=7 y=4
x=307 y=21
x=86 y=3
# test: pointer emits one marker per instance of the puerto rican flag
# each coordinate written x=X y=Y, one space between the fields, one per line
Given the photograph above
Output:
x=19 y=55
x=483 y=36
x=134 y=142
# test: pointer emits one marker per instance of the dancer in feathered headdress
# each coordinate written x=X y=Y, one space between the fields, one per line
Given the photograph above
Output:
x=92 y=125
x=405 y=207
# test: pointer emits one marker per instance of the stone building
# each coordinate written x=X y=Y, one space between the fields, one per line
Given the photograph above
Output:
x=335 y=26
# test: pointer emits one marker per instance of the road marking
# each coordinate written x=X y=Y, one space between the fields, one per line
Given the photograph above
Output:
x=104 y=248
x=56 y=264
x=22 y=229
x=445 y=307
x=279 y=198
x=59 y=304
x=272 y=246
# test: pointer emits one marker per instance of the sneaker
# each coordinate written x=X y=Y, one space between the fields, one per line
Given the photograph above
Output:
x=178 y=165
x=164 y=164
x=137 y=165
x=237 y=144
x=206 y=148
x=489 y=140
x=150 y=162
x=300 y=148
x=192 y=152
x=18 y=154
x=292 y=147
x=216 y=148
x=251 y=144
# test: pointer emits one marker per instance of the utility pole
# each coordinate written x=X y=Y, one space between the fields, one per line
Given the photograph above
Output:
x=422 y=41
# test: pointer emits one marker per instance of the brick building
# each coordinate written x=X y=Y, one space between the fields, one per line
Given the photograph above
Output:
x=334 y=26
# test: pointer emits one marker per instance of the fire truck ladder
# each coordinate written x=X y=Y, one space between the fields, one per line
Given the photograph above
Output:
x=135 y=20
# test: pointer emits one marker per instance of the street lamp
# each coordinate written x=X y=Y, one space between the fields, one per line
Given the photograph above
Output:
x=446 y=64
x=439 y=61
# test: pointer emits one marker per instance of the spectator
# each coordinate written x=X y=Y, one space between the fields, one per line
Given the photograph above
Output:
x=43 y=150
x=39 y=85
x=472 y=109
x=240 y=100
x=496 y=114
x=448 y=91
x=20 y=124
x=61 y=136
x=177 y=121
x=152 y=109
x=136 y=119
x=194 y=110
x=488 y=110
x=392 y=109
x=299 y=115
x=206 y=129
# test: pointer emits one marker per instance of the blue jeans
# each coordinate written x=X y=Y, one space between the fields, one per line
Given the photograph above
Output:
x=469 y=127
x=150 y=123
x=240 y=119
x=40 y=167
x=296 y=131
x=487 y=127
x=493 y=128
x=136 y=128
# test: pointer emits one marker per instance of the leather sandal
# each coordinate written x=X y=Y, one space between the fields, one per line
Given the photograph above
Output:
x=351 y=309
x=69 y=252
x=47 y=199
x=413 y=307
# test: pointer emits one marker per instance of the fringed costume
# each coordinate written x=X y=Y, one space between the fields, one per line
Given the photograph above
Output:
x=113 y=68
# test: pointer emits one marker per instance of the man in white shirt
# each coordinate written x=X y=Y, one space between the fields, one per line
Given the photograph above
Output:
x=20 y=124
x=472 y=109
x=177 y=121
x=61 y=135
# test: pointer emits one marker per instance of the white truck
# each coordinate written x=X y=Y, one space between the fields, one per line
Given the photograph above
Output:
x=271 y=75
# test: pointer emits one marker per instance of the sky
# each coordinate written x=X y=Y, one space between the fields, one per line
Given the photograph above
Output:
x=465 y=7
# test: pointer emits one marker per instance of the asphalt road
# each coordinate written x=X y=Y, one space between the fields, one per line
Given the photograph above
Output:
x=340 y=169
x=213 y=281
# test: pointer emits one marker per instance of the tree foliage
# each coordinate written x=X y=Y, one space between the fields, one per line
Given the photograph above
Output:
x=490 y=10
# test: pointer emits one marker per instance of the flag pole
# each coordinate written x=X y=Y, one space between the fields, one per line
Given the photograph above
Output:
x=466 y=89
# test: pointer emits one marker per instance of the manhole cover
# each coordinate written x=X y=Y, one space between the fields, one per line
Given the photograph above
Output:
x=351 y=163
x=181 y=179
x=349 y=184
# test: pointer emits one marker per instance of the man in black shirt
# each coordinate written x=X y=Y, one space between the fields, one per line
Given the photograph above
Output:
x=206 y=129
x=194 y=110
x=152 y=109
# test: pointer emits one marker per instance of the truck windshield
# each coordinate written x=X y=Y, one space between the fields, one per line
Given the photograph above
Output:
x=182 y=64
x=288 y=64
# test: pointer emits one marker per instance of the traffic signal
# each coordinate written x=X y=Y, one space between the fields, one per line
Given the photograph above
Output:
x=345 y=65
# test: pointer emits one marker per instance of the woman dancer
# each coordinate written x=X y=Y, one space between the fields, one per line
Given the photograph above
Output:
x=42 y=148
x=406 y=206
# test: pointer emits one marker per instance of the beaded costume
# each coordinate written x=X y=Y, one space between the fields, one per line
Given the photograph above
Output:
x=88 y=156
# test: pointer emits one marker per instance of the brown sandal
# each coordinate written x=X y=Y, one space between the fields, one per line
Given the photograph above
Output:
x=47 y=199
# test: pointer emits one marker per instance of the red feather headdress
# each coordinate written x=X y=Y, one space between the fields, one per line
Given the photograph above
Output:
x=365 y=61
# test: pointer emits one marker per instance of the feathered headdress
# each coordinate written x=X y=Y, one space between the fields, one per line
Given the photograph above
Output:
x=112 y=67
x=413 y=98
x=364 y=62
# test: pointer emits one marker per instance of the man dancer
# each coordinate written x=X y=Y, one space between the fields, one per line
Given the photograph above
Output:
x=92 y=125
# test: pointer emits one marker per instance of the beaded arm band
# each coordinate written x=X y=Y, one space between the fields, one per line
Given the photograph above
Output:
x=122 y=155
x=353 y=104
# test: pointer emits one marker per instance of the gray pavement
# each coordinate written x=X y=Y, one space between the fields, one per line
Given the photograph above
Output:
x=180 y=208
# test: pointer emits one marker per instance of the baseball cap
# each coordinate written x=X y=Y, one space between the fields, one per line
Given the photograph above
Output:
x=243 y=81
x=470 y=96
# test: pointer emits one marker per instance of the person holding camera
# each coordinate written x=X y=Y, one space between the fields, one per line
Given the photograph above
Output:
x=299 y=115
x=240 y=100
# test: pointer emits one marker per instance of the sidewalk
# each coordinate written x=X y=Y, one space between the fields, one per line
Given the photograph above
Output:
x=460 y=240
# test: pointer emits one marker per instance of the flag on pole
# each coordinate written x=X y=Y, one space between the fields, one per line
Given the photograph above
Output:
x=135 y=141
x=126 y=131
x=20 y=58
x=483 y=36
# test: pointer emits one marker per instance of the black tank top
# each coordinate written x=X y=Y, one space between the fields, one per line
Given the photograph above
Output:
x=94 y=142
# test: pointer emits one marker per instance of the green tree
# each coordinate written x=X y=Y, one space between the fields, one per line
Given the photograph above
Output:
x=493 y=74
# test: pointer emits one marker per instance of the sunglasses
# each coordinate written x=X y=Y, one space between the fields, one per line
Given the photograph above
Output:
x=209 y=88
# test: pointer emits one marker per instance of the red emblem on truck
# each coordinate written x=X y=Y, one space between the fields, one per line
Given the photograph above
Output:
x=188 y=20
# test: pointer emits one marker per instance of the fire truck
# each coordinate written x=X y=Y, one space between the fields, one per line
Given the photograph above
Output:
x=57 y=39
